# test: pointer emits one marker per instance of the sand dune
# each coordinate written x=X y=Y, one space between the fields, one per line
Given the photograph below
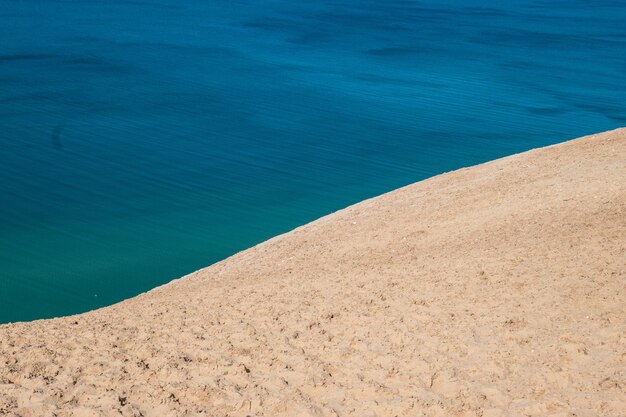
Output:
x=496 y=290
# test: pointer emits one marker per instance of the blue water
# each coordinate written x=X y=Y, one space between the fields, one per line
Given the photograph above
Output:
x=142 y=140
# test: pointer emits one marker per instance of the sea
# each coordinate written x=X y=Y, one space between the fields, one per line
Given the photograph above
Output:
x=141 y=140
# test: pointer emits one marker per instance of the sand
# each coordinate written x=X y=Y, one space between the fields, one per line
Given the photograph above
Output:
x=496 y=290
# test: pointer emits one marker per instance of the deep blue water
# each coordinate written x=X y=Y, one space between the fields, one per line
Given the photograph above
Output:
x=142 y=140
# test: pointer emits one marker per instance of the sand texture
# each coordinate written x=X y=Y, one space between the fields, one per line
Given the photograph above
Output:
x=496 y=290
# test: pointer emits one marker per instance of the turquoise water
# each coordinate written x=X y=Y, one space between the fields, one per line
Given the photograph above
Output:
x=142 y=140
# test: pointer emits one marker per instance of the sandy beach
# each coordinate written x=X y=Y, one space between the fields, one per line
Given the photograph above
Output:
x=495 y=290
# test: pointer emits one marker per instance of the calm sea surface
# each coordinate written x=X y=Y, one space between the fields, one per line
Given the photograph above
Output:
x=142 y=140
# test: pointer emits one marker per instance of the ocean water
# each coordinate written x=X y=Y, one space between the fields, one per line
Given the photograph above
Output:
x=142 y=140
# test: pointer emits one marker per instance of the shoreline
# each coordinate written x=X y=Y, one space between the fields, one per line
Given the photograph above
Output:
x=495 y=289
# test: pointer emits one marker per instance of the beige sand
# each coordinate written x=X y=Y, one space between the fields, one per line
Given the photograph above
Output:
x=497 y=290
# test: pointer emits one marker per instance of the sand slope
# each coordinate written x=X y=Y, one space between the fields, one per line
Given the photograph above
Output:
x=497 y=290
